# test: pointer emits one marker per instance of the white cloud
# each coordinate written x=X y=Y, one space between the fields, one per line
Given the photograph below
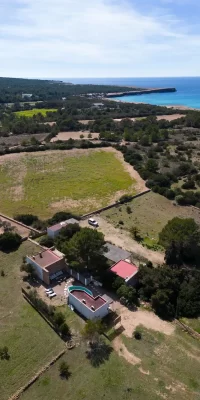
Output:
x=92 y=38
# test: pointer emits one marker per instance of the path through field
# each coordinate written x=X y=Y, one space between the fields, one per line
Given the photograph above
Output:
x=122 y=239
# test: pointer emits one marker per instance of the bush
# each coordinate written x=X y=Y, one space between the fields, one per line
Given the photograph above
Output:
x=9 y=241
x=46 y=241
x=125 y=198
x=137 y=334
x=26 y=219
x=121 y=222
x=128 y=210
x=4 y=354
x=64 y=370
x=189 y=185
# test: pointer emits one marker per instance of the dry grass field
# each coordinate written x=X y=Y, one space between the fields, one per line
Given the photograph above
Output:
x=76 y=180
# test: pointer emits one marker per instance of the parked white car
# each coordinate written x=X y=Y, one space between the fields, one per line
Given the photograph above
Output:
x=50 y=290
x=92 y=222
x=52 y=295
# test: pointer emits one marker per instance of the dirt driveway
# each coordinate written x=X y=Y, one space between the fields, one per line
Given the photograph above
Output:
x=122 y=239
x=131 y=319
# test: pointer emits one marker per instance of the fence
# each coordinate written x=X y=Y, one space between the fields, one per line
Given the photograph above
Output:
x=21 y=224
x=36 y=377
x=118 y=203
x=186 y=328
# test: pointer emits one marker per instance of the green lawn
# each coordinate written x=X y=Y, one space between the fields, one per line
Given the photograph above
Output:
x=31 y=342
x=150 y=213
x=34 y=111
x=43 y=183
x=169 y=370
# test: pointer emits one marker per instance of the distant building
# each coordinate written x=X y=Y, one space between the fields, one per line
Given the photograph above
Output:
x=29 y=95
x=127 y=271
x=48 y=264
x=53 y=231
x=90 y=307
x=98 y=105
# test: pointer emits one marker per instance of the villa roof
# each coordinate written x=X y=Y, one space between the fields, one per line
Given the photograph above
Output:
x=45 y=258
x=62 y=224
x=88 y=300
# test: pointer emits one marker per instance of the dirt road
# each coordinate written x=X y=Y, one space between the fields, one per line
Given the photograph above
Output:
x=121 y=238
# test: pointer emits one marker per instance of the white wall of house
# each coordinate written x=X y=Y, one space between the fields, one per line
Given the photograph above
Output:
x=52 y=234
x=37 y=268
x=87 y=312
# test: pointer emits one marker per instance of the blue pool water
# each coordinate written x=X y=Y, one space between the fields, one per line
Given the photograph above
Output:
x=188 y=89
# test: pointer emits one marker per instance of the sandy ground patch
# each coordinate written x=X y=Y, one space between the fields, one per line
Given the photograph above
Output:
x=122 y=239
x=23 y=232
x=170 y=117
x=86 y=121
x=70 y=203
x=121 y=349
x=74 y=135
x=131 y=319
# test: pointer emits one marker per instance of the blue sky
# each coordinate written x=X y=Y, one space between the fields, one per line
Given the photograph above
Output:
x=99 y=38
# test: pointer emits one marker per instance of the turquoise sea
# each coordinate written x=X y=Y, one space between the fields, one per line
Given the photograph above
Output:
x=188 y=89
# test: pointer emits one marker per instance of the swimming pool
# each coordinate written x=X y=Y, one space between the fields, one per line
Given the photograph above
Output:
x=81 y=288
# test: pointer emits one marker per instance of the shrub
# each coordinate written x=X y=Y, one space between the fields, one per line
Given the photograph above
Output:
x=189 y=185
x=9 y=241
x=121 y=222
x=2 y=273
x=64 y=370
x=128 y=210
x=125 y=198
x=46 y=241
x=4 y=354
x=137 y=334
x=26 y=219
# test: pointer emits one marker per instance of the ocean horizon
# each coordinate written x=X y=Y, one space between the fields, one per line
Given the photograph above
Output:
x=188 y=89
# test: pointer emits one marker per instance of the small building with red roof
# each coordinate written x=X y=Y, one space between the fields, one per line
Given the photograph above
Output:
x=126 y=270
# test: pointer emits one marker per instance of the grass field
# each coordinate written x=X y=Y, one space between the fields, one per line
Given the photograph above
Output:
x=31 y=342
x=194 y=323
x=150 y=213
x=34 y=111
x=77 y=180
x=169 y=369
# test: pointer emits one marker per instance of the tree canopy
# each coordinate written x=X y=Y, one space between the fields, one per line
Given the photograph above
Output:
x=184 y=235
x=85 y=248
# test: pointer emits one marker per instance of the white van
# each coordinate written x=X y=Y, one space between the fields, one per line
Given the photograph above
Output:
x=92 y=222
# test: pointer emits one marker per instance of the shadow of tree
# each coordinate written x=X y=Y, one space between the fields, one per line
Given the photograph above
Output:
x=98 y=352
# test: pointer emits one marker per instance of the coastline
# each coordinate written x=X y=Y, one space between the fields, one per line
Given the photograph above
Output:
x=174 y=106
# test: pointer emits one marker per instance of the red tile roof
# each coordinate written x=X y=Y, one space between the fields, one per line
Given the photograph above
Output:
x=124 y=269
x=90 y=301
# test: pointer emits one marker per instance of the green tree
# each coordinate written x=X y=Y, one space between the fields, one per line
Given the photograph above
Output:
x=86 y=248
x=9 y=241
x=185 y=234
x=128 y=293
x=162 y=305
x=92 y=330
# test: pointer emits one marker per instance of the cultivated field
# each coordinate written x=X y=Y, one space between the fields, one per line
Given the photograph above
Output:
x=77 y=180
x=157 y=367
x=34 y=111
x=31 y=342
x=74 y=135
x=149 y=213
